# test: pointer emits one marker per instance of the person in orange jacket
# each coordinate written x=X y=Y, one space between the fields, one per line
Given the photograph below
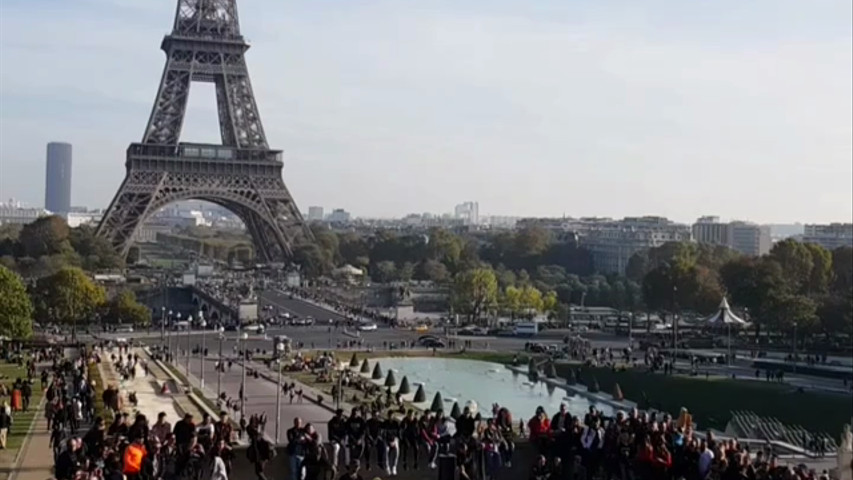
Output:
x=134 y=456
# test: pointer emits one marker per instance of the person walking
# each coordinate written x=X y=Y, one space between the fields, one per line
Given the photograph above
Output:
x=297 y=446
x=5 y=425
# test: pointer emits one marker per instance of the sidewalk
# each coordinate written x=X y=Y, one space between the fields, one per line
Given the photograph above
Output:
x=150 y=402
x=36 y=462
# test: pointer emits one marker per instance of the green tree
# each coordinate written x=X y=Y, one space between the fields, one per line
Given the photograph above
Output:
x=434 y=271
x=506 y=278
x=474 y=292
x=10 y=231
x=796 y=261
x=313 y=260
x=836 y=314
x=550 y=302
x=753 y=283
x=9 y=245
x=820 y=276
x=68 y=297
x=45 y=236
x=354 y=249
x=660 y=287
x=530 y=301
x=842 y=270
x=510 y=301
x=532 y=241
x=786 y=310
x=638 y=266
x=406 y=272
x=385 y=272
x=16 y=309
x=9 y=262
x=95 y=252
x=444 y=247
x=124 y=309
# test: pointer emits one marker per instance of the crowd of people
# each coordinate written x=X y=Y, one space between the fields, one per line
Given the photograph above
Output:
x=92 y=443
x=630 y=446
x=115 y=445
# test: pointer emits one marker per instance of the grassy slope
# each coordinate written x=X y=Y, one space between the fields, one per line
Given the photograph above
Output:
x=711 y=401
x=21 y=420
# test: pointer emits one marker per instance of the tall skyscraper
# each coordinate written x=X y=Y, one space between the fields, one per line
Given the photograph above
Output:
x=57 y=185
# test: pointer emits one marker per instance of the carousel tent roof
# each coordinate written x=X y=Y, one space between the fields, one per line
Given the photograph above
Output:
x=724 y=316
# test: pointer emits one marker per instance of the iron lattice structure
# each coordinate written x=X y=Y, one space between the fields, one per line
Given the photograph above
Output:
x=243 y=174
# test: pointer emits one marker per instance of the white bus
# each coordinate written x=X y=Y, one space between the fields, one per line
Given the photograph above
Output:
x=526 y=329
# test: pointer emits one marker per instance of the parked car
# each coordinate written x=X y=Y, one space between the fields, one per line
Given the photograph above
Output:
x=367 y=327
x=432 y=343
x=254 y=328
x=306 y=321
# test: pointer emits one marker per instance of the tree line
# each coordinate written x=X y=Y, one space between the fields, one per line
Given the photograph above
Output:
x=515 y=272
x=67 y=297
x=46 y=273
x=796 y=284
x=44 y=246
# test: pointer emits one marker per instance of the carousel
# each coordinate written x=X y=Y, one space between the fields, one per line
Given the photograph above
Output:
x=724 y=318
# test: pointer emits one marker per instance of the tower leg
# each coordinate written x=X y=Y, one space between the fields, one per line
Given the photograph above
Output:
x=129 y=208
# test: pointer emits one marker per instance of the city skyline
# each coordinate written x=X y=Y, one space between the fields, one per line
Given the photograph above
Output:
x=665 y=109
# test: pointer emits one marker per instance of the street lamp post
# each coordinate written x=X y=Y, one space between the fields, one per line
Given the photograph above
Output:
x=674 y=328
x=221 y=365
x=245 y=338
x=201 y=355
x=189 y=330
x=729 y=346
x=630 y=331
x=175 y=352
x=794 y=348
x=162 y=323
x=340 y=392
x=279 y=348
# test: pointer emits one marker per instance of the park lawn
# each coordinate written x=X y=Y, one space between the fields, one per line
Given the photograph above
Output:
x=712 y=401
x=21 y=421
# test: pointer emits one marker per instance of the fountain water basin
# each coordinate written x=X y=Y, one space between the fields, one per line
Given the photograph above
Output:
x=487 y=383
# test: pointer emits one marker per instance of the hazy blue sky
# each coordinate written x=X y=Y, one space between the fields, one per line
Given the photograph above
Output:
x=532 y=107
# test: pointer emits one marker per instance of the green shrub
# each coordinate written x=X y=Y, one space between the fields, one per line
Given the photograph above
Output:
x=95 y=376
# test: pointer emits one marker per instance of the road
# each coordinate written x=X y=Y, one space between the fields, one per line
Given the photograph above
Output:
x=283 y=303
x=321 y=336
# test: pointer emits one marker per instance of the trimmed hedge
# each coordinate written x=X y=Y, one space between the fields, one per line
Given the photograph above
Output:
x=95 y=376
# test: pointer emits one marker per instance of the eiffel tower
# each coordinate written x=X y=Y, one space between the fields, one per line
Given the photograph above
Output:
x=242 y=174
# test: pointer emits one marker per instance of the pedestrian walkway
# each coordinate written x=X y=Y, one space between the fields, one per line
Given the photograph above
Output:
x=181 y=404
x=36 y=458
x=36 y=461
x=261 y=398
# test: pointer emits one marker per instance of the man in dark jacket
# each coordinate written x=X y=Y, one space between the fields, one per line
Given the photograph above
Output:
x=184 y=430
x=27 y=394
x=337 y=437
x=68 y=461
